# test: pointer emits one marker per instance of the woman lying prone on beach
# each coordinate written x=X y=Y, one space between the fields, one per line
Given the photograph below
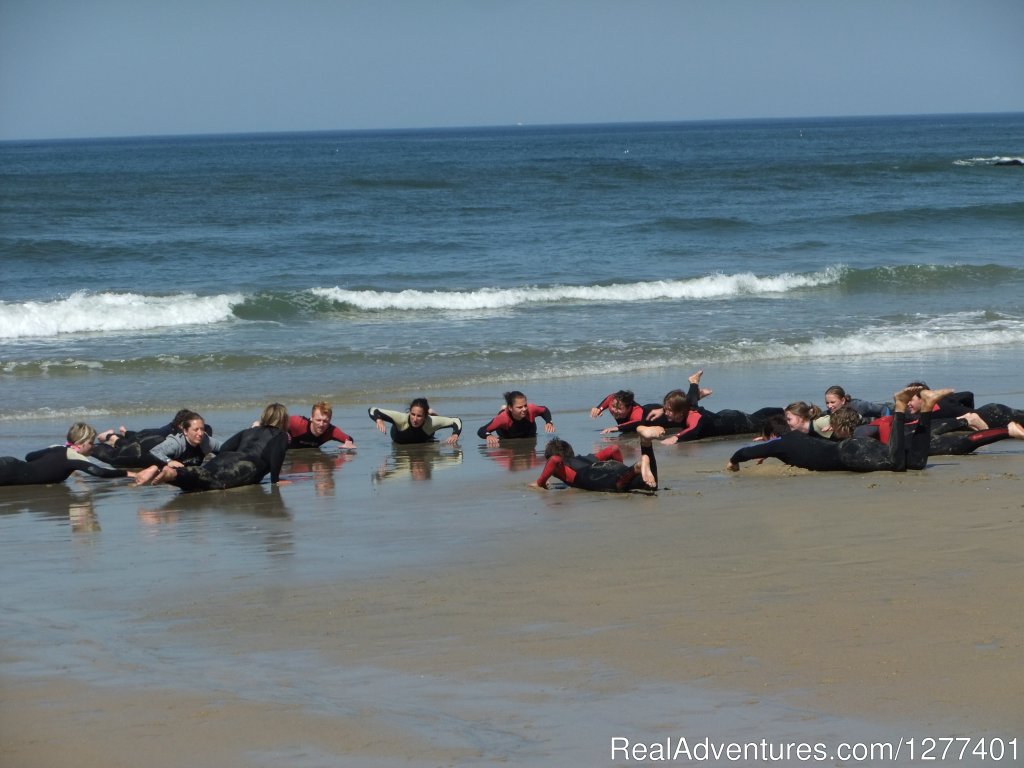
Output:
x=187 y=448
x=56 y=463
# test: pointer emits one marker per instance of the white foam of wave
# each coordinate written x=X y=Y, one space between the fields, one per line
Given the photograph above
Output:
x=713 y=286
x=965 y=330
x=82 y=312
x=971 y=161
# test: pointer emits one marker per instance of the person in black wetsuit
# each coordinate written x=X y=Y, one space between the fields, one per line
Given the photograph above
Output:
x=244 y=459
x=702 y=423
x=854 y=454
x=603 y=471
x=56 y=463
x=131 y=448
x=846 y=422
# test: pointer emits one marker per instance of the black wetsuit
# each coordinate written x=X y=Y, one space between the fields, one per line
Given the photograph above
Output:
x=855 y=454
x=131 y=450
x=244 y=459
x=51 y=465
x=728 y=422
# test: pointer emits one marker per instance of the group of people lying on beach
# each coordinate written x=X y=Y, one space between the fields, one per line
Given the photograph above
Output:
x=849 y=434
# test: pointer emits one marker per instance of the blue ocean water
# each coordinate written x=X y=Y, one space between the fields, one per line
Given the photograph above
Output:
x=229 y=270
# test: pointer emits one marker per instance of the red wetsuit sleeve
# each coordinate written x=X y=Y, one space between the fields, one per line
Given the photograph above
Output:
x=692 y=422
x=611 y=453
x=538 y=410
x=557 y=467
x=502 y=421
x=337 y=434
x=604 y=404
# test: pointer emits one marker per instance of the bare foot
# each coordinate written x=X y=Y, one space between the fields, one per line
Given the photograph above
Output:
x=1016 y=430
x=974 y=421
x=645 y=472
x=705 y=392
x=145 y=476
x=650 y=432
x=166 y=475
x=929 y=397
x=902 y=398
x=695 y=379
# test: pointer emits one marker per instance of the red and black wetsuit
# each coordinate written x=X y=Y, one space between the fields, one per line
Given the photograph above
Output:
x=51 y=465
x=504 y=426
x=641 y=418
x=603 y=471
x=301 y=434
x=635 y=412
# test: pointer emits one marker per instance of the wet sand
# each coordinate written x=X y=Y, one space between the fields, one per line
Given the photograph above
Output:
x=462 y=619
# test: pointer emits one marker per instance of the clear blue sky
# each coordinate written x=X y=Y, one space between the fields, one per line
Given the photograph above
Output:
x=83 y=68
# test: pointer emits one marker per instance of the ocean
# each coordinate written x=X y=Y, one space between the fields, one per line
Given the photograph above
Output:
x=226 y=271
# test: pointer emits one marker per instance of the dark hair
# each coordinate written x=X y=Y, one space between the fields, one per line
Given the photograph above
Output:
x=626 y=397
x=558 y=447
x=774 y=426
x=913 y=384
x=511 y=397
x=185 y=418
x=837 y=391
x=420 y=402
x=185 y=414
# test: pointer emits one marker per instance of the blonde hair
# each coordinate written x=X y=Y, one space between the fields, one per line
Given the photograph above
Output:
x=81 y=433
x=275 y=415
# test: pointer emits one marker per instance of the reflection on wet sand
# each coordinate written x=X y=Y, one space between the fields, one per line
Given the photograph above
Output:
x=189 y=511
x=312 y=463
x=417 y=462
x=58 y=503
x=514 y=455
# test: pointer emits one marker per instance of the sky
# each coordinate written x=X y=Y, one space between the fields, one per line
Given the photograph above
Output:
x=92 y=68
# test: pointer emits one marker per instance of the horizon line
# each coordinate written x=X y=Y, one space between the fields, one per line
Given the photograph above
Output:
x=494 y=126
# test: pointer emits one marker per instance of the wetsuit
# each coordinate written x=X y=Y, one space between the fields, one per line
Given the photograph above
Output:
x=725 y=422
x=301 y=433
x=175 y=447
x=949 y=438
x=635 y=413
x=603 y=471
x=129 y=451
x=504 y=426
x=133 y=448
x=52 y=465
x=638 y=415
x=403 y=433
x=244 y=459
x=855 y=454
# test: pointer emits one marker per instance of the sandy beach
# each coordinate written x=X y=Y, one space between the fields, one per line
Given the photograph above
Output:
x=463 y=619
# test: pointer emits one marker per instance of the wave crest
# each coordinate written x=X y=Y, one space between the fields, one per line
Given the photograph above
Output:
x=714 y=286
x=82 y=312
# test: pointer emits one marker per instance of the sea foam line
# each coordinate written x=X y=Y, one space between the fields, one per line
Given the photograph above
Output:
x=707 y=287
x=82 y=312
